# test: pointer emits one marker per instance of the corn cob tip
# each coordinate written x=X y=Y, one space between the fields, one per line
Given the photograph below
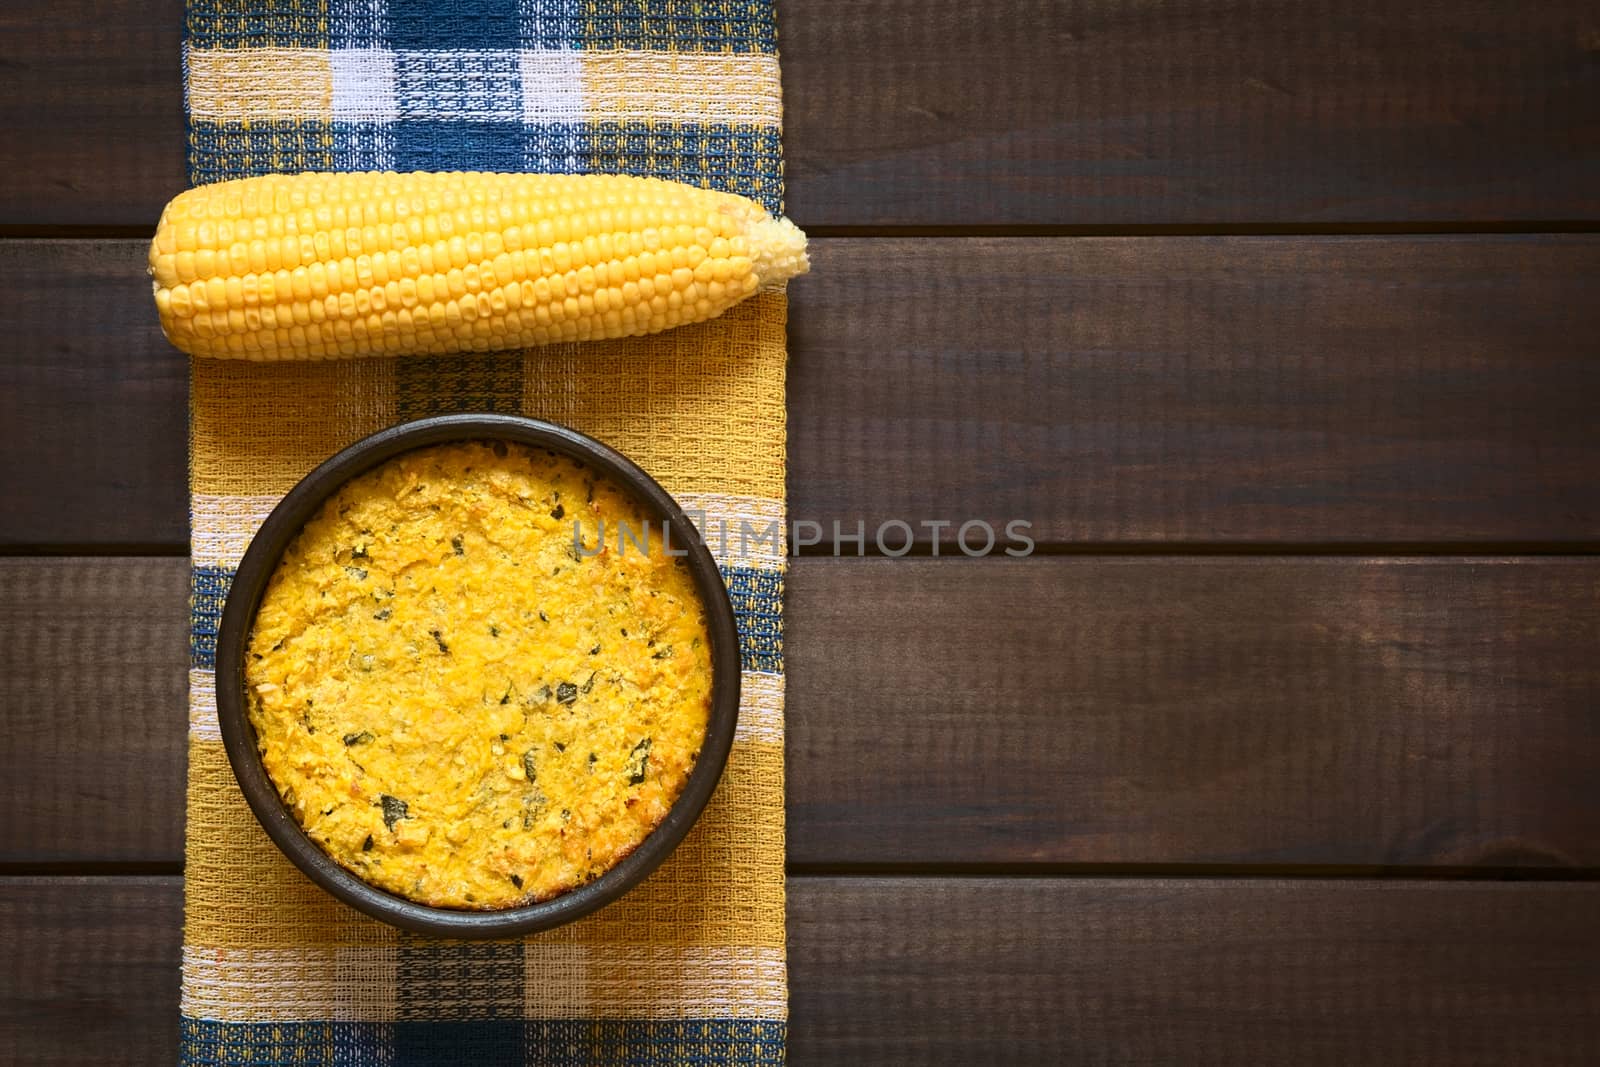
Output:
x=778 y=250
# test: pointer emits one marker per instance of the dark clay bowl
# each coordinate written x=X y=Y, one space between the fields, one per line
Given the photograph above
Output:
x=261 y=559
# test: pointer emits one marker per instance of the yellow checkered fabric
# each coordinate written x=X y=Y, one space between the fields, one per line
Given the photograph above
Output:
x=690 y=965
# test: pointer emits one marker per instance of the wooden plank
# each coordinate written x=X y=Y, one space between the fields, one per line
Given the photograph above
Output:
x=1195 y=710
x=1108 y=390
x=995 y=970
x=93 y=676
x=93 y=409
x=1195 y=972
x=93 y=972
x=1301 y=712
x=1202 y=390
x=910 y=112
x=91 y=99
x=932 y=112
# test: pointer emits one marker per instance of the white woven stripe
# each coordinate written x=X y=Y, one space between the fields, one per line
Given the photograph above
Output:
x=363 y=85
x=566 y=979
x=743 y=531
x=203 y=706
x=222 y=526
x=500 y=85
x=353 y=983
x=760 y=708
x=552 y=86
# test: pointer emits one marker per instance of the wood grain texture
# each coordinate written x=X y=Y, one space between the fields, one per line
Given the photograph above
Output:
x=93 y=415
x=91 y=974
x=1300 y=712
x=945 y=113
x=1195 y=710
x=1108 y=390
x=1184 y=390
x=1069 y=971
x=1229 y=972
x=1105 y=112
x=93 y=677
x=91 y=99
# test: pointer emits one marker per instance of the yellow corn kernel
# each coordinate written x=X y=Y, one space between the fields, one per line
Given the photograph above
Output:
x=314 y=266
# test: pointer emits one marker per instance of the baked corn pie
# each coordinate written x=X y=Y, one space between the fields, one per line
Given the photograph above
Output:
x=470 y=686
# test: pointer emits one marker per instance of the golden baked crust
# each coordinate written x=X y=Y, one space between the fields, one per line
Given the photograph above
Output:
x=458 y=705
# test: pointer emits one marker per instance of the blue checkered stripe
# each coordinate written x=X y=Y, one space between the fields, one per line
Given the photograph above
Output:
x=649 y=25
x=487 y=1042
x=488 y=85
x=756 y=595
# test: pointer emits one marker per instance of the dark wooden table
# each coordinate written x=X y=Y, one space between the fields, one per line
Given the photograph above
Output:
x=1279 y=319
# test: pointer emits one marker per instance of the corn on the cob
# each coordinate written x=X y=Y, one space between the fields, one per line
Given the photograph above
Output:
x=315 y=266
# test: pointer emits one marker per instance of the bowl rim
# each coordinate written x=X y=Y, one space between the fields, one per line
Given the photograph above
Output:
x=239 y=738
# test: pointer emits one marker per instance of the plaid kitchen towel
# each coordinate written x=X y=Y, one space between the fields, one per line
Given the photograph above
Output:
x=689 y=967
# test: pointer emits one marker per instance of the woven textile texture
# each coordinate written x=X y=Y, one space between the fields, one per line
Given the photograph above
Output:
x=689 y=967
